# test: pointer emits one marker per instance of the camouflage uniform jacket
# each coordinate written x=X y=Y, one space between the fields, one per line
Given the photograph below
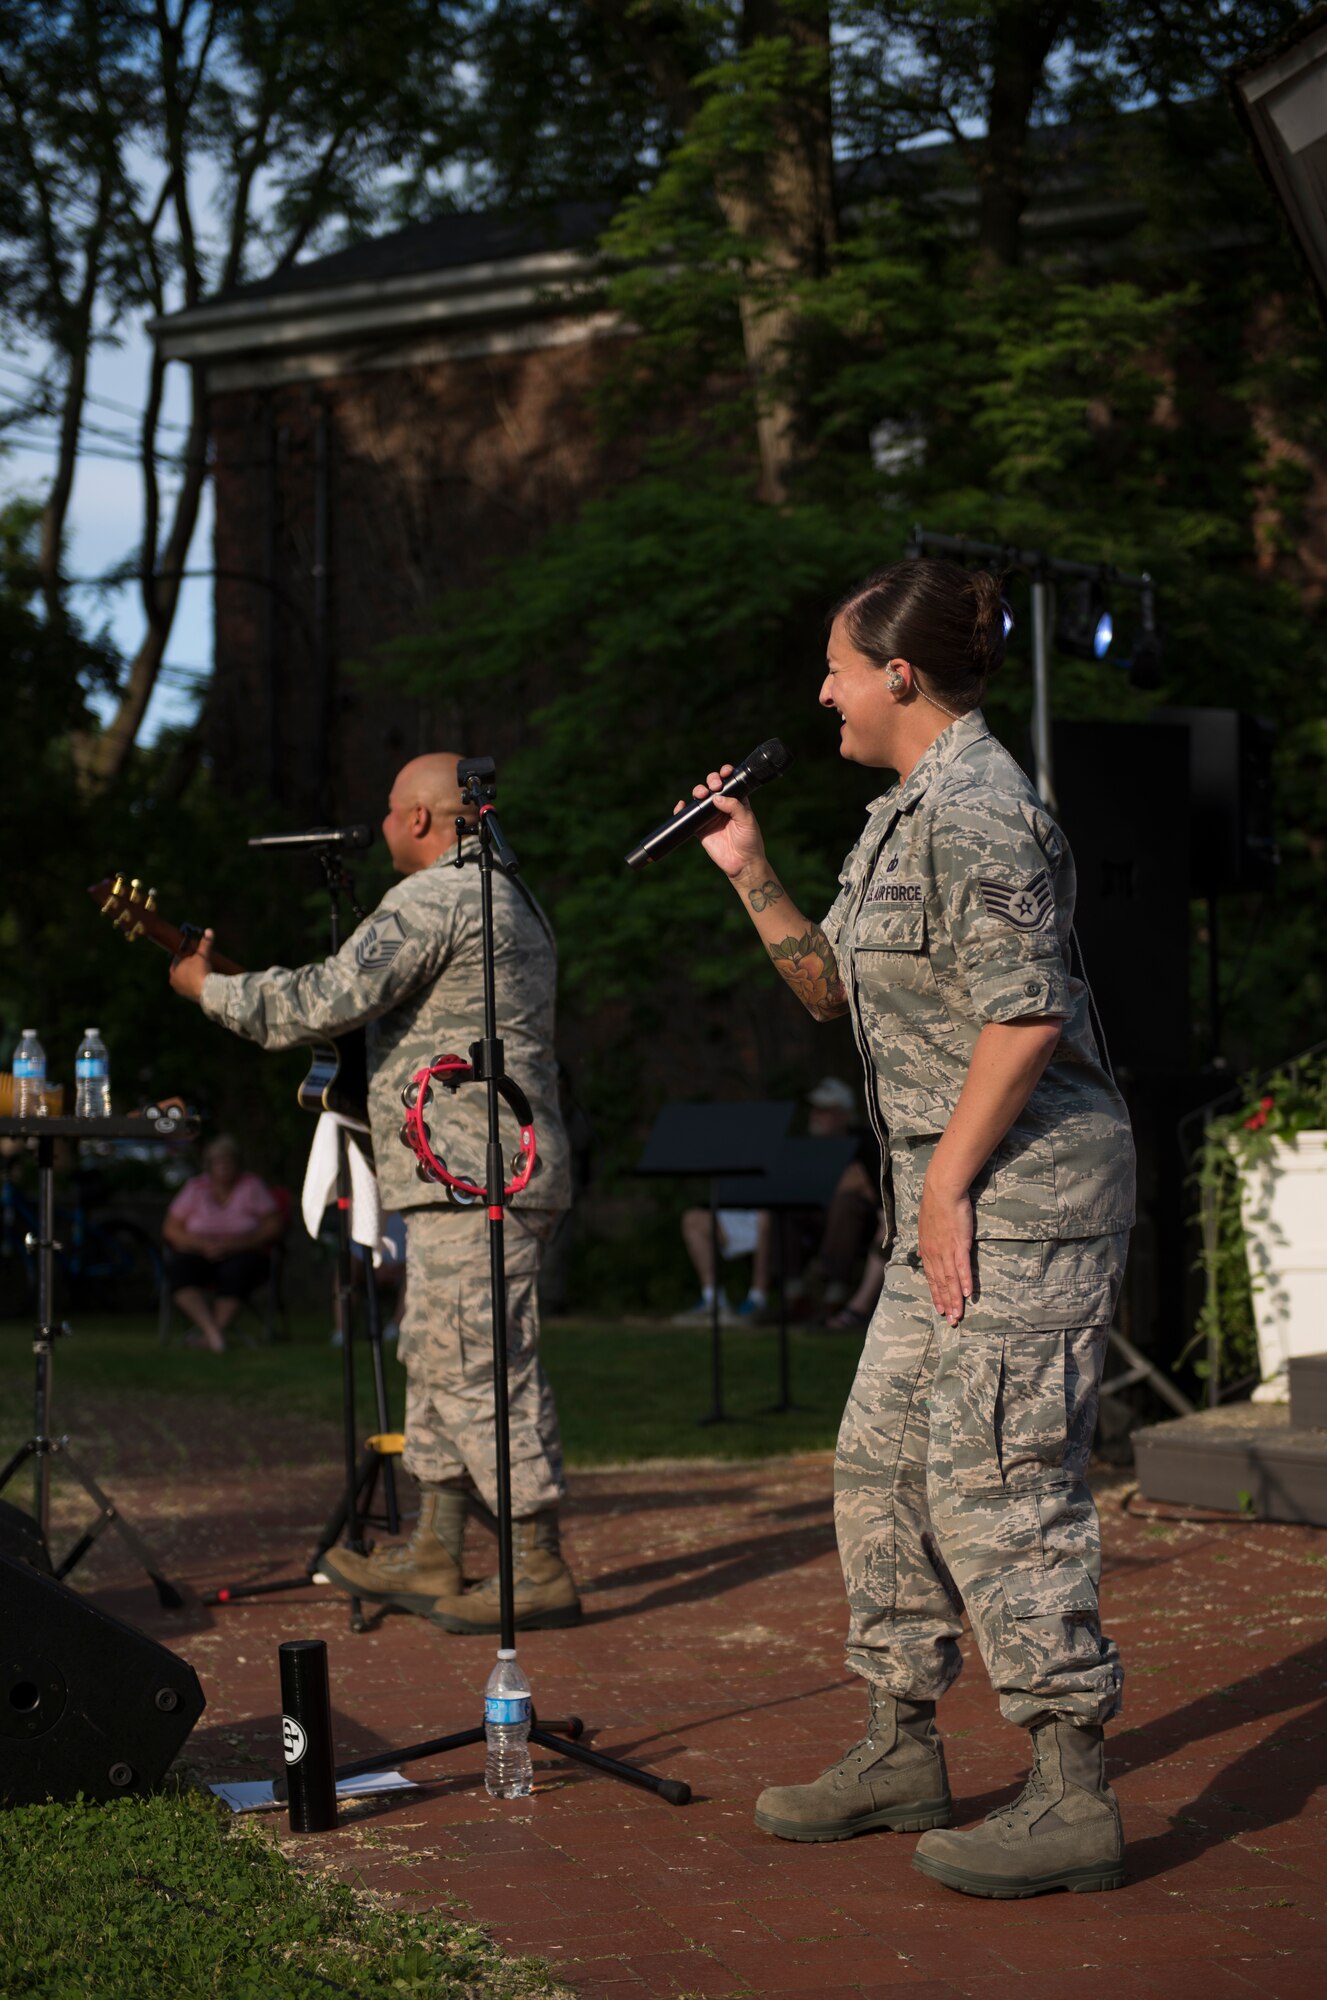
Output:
x=413 y=972
x=955 y=910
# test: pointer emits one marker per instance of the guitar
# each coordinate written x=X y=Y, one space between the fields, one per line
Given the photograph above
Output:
x=338 y=1071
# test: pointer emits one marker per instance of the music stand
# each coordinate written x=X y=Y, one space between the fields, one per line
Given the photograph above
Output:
x=689 y=1140
x=41 y=1447
x=803 y=1173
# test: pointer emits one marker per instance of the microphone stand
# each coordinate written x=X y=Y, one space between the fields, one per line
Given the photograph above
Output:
x=355 y=1506
x=479 y=790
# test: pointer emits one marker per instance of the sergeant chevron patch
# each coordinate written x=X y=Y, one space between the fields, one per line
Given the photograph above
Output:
x=380 y=943
x=1026 y=909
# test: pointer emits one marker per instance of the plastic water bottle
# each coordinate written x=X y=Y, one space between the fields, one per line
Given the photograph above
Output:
x=92 y=1072
x=29 y=1077
x=508 y=1773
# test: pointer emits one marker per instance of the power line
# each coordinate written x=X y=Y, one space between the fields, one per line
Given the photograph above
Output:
x=105 y=402
x=87 y=428
x=48 y=445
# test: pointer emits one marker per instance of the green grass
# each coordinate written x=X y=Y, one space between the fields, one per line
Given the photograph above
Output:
x=628 y=1393
x=625 y=1392
x=171 y=1896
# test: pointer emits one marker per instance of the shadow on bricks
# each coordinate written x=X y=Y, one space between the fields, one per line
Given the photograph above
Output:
x=1270 y=1782
x=713 y=1570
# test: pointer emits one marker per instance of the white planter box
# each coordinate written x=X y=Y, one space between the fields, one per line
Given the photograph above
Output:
x=1283 y=1206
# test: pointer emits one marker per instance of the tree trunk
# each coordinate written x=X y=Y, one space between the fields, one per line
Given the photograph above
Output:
x=101 y=758
x=1023 y=33
x=786 y=206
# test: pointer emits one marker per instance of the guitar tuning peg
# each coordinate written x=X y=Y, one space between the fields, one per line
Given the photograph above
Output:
x=151 y=902
x=117 y=886
x=135 y=890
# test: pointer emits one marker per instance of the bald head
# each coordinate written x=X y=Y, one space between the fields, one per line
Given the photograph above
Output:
x=420 y=823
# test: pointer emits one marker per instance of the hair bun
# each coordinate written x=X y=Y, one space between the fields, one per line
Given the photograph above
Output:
x=988 y=626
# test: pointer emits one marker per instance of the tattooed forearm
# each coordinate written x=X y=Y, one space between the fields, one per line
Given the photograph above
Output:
x=809 y=966
x=768 y=892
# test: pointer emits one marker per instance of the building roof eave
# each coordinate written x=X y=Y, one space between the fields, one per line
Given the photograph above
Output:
x=548 y=281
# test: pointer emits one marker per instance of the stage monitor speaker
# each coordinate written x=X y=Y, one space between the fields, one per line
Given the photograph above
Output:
x=87 y=1704
x=1231 y=828
x=1123 y=794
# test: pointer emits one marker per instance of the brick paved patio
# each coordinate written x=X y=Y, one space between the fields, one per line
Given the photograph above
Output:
x=711 y=1651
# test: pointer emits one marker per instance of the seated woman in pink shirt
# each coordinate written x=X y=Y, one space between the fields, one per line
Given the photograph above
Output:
x=218 y=1233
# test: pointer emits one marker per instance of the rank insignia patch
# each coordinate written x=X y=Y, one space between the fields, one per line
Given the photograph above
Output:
x=380 y=943
x=1026 y=909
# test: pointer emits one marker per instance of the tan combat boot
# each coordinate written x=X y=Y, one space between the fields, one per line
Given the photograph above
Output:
x=411 y=1575
x=544 y=1590
x=1062 y=1833
x=895 y=1778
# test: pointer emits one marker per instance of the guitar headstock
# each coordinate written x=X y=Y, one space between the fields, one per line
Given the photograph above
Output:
x=132 y=909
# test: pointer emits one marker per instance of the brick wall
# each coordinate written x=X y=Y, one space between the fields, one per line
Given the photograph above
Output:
x=408 y=479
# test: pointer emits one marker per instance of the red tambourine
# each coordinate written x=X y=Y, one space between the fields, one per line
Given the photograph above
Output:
x=451 y=1072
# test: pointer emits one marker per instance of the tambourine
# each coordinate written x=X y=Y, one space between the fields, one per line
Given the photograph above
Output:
x=451 y=1072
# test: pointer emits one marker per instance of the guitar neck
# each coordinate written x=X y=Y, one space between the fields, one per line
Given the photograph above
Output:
x=136 y=919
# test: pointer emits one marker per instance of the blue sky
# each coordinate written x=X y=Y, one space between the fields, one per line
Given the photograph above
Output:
x=106 y=513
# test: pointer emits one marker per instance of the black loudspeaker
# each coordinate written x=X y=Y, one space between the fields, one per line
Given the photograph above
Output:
x=21 y=1538
x=86 y=1704
x=1123 y=795
x=1231 y=826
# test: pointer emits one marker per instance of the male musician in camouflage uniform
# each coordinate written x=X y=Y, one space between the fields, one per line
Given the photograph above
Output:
x=413 y=974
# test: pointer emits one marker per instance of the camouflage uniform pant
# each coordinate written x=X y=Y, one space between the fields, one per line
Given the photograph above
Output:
x=960 y=1482
x=447 y=1349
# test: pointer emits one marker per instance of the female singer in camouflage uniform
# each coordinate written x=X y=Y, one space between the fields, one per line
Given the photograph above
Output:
x=960 y=1480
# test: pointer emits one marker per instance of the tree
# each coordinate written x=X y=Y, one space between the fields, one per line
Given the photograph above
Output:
x=1104 y=398
x=120 y=122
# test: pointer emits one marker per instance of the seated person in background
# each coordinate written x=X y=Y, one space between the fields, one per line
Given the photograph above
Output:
x=218 y=1233
x=854 y=1315
x=743 y=1232
x=853 y=1230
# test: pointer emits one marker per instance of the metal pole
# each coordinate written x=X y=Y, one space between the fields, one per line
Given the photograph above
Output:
x=1041 y=692
x=1211 y=1244
x=495 y=1179
x=1213 y=983
x=345 y=1309
x=44 y=1345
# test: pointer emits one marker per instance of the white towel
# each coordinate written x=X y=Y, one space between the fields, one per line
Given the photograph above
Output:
x=320 y=1185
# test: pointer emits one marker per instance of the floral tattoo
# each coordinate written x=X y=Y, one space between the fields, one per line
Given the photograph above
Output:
x=768 y=892
x=809 y=966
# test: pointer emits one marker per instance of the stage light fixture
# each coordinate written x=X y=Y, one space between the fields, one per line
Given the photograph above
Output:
x=1084 y=627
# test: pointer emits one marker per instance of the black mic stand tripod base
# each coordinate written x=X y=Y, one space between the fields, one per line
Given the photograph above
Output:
x=476 y=777
x=354 y=1509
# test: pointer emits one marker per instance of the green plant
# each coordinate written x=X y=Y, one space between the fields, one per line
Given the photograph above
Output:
x=170 y=1895
x=1273 y=1106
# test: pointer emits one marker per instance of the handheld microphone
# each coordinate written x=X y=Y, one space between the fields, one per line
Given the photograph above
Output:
x=351 y=837
x=770 y=760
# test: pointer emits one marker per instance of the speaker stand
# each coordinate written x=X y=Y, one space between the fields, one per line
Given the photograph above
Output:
x=41 y=1447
